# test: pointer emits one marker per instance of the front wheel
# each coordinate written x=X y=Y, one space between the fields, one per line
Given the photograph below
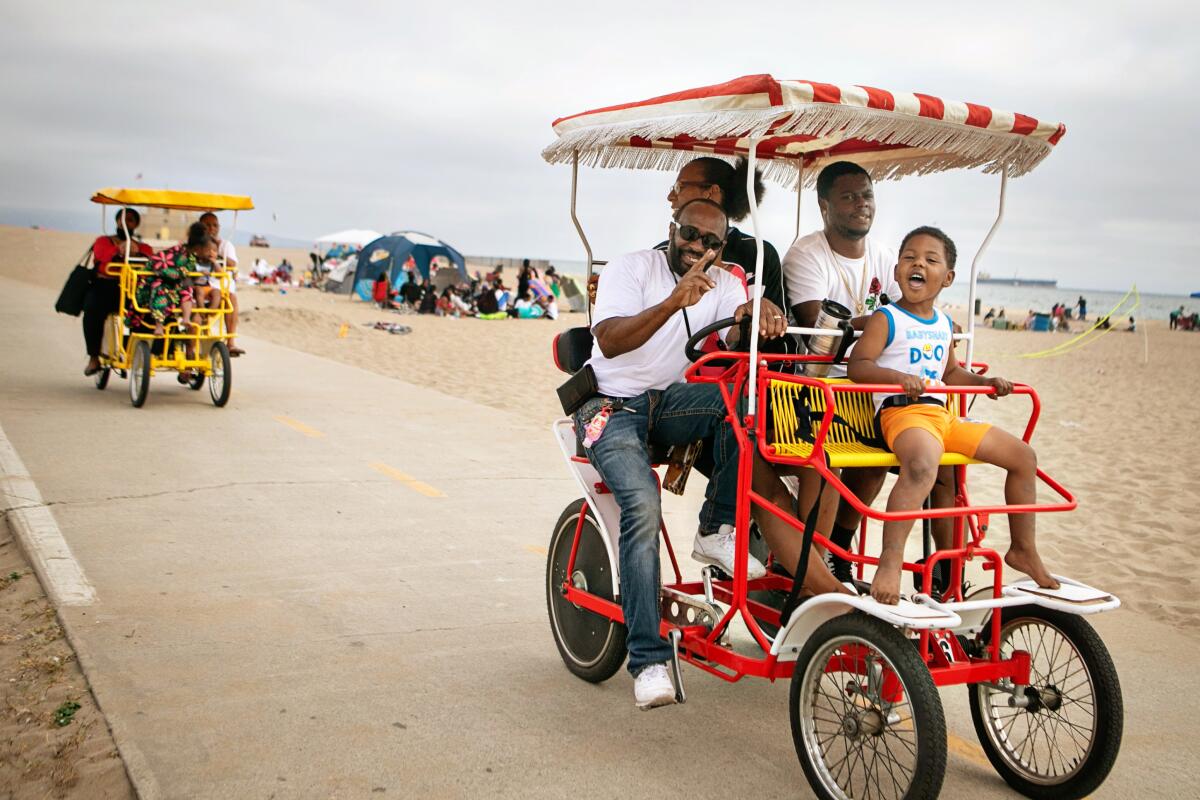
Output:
x=219 y=379
x=866 y=718
x=592 y=646
x=139 y=374
x=1062 y=737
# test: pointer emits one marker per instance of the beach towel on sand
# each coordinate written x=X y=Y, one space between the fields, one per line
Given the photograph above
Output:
x=390 y=327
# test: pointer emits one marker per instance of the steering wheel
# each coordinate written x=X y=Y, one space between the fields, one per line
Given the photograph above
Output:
x=690 y=349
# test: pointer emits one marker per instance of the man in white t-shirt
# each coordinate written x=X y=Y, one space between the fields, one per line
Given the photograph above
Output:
x=648 y=304
x=226 y=257
x=841 y=263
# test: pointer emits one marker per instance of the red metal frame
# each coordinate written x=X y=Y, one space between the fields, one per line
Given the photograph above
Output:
x=702 y=647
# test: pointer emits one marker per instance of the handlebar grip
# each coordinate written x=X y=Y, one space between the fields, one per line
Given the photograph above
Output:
x=846 y=343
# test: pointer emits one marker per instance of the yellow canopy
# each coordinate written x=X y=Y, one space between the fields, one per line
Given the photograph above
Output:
x=169 y=198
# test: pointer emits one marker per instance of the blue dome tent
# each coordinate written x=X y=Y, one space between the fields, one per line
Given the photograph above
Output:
x=391 y=252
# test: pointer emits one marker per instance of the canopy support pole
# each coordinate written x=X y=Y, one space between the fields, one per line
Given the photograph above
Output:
x=751 y=159
x=799 y=198
x=799 y=195
x=582 y=236
x=975 y=268
x=125 y=229
x=225 y=265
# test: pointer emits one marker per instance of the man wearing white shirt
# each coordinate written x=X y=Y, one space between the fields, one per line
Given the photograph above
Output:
x=648 y=304
x=227 y=258
x=841 y=263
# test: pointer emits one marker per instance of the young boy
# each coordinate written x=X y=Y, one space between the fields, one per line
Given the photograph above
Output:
x=910 y=343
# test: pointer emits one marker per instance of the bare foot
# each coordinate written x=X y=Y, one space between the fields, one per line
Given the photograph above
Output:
x=1029 y=562
x=885 y=586
x=158 y=329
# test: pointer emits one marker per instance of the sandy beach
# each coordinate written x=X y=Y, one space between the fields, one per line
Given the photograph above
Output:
x=1117 y=418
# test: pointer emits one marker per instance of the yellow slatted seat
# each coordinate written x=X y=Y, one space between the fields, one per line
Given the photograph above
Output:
x=852 y=441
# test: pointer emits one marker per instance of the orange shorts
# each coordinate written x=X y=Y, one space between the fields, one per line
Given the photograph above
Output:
x=956 y=435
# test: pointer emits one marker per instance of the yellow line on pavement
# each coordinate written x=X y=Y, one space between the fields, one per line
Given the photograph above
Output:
x=535 y=549
x=296 y=425
x=407 y=480
x=968 y=750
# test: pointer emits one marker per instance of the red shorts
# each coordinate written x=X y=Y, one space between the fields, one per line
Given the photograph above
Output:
x=957 y=435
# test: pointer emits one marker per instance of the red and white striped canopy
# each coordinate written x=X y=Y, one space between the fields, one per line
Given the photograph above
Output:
x=890 y=134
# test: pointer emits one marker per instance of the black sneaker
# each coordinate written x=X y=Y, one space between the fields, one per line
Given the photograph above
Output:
x=842 y=569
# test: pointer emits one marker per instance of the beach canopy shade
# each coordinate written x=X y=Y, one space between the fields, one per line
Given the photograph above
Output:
x=169 y=198
x=390 y=253
x=353 y=236
x=890 y=134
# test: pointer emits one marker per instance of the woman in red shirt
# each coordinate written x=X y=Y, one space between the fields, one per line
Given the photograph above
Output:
x=382 y=292
x=104 y=294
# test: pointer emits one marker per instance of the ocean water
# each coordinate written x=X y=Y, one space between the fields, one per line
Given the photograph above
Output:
x=1017 y=301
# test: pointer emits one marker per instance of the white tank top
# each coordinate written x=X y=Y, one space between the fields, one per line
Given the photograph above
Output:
x=916 y=346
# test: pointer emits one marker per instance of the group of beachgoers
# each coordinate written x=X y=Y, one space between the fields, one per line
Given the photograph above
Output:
x=1180 y=320
x=1060 y=316
x=264 y=273
x=484 y=296
x=648 y=303
x=180 y=281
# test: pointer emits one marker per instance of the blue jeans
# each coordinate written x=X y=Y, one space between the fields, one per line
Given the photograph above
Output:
x=679 y=414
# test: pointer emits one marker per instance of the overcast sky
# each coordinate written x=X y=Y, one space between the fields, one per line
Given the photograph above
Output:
x=432 y=116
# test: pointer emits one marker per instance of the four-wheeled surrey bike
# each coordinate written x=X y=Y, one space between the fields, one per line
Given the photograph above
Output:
x=134 y=351
x=866 y=716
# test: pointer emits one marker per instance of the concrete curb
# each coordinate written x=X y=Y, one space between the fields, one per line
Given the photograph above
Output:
x=38 y=534
x=62 y=579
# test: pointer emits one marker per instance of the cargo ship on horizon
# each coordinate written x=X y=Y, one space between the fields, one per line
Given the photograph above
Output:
x=1015 y=281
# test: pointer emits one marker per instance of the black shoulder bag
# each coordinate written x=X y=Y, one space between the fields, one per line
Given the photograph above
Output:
x=74 y=291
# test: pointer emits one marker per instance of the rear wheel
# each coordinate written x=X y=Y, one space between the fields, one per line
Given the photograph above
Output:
x=219 y=379
x=102 y=378
x=866 y=718
x=592 y=646
x=139 y=374
x=1062 y=739
x=196 y=382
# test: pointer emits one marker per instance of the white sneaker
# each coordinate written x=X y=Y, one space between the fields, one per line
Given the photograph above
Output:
x=653 y=688
x=718 y=549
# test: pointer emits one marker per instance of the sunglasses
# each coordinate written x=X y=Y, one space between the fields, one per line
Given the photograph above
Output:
x=690 y=233
x=678 y=186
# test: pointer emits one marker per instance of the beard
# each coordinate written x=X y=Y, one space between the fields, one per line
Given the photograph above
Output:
x=846 y=232
x=853 y=234
x=675 y=259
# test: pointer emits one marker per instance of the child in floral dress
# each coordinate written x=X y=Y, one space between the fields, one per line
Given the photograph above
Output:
x=168 y=290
